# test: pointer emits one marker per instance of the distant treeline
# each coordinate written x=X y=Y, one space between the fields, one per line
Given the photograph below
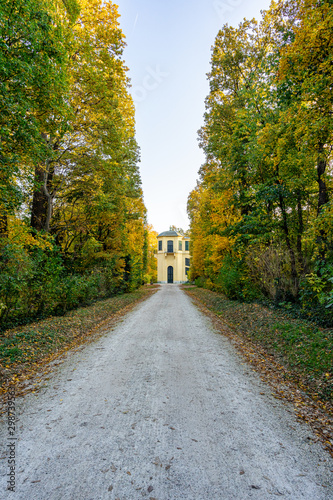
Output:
x=262 y=213
x=72 y=218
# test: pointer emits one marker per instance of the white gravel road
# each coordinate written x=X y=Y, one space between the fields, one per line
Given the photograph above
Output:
x=163 y=408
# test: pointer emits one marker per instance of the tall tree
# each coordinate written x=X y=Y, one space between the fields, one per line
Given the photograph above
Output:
x=267 y=140
x=306 y=70
x=32 y=52
x=55 y=114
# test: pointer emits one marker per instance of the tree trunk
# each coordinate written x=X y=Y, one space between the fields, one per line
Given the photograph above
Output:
x=49 y=193
x=300 y=231
x=3 y=225
x=39 y=210
x=294 y=273
x=245 y=208
x=321 y=167
x=322 y=200
x=42 y=203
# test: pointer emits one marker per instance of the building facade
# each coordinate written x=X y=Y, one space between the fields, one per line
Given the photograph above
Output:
x=173 y=257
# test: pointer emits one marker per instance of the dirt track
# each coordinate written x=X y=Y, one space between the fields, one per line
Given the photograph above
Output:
x=162 y=407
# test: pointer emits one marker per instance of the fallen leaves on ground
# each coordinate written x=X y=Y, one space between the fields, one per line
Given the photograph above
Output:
x=29 y=352
x=290 y=382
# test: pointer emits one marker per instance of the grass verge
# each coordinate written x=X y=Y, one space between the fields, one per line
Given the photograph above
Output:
x=27 y=350
x=295 y=356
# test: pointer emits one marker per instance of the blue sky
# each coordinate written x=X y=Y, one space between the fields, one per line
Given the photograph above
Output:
x=168 y=54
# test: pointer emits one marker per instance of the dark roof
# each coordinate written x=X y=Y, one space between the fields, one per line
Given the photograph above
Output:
x=169 y=233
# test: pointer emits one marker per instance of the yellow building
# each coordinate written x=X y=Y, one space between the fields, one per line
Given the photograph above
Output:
x=173 y=257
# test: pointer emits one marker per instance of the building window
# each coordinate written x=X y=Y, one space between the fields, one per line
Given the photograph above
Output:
x=170 y=246
x=187 y=270
x=187 y=246
x=187 y=262
x=180 y=246
x=160 y=246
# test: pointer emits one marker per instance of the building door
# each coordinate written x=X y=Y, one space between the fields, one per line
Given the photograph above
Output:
x=170 y=274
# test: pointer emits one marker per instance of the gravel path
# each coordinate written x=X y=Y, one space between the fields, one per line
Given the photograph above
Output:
x=162 y=408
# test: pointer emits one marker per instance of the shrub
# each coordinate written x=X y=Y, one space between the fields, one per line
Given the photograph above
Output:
x=36 y=281
x=229 y=279
x=45 y=280
x=78 y=290
x=316 y=296
x=15 y=271
x=200 y=282
x=270 y=270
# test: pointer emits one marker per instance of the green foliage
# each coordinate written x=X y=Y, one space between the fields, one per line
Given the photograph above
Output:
x=200 y=282
x=315 y=297
x=78 y=290
x=313 y=290
x=269 y=268
x=44 y=282
x=329 y=297
x=233 y=281
x=33 y=81
x=264 y=188
x=15 y=270
x=230 y=278
x=68 y=160
x=132 y=274
x=36 y=282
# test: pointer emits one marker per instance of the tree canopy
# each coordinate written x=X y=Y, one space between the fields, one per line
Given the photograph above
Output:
x=261 y=215
x=72 y=218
